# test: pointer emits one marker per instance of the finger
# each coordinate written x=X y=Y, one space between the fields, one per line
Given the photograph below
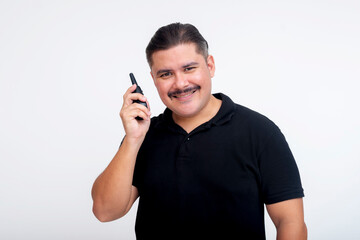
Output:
x=138 y=96
x=147 y=103
x=128 y=110
x=139 y=113
x=130 y=89
x=127 y=93
x=134 y=96
x=142 y=108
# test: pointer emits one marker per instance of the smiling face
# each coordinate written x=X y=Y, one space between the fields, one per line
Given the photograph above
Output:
x=182 y=77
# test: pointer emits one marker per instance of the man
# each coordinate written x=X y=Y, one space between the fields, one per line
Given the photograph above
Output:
x=205 y=167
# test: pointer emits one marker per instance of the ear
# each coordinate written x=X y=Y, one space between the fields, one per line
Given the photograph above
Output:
x=211 y=65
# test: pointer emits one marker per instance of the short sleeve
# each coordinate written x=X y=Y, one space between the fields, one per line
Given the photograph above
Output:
x=280 y=178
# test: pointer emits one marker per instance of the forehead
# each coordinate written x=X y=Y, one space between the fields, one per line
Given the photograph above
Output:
x=175 y=56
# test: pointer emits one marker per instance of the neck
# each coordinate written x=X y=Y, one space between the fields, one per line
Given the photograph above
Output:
x=209 y=111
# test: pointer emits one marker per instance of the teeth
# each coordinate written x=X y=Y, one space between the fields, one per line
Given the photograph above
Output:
x=186 y=94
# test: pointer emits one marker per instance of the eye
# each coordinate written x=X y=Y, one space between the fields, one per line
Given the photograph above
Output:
x=189 y=69
x=165 y=75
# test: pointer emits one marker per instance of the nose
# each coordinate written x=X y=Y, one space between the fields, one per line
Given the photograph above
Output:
x=181 y=81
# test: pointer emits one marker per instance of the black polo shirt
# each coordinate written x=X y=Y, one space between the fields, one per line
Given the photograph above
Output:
x=212 y=183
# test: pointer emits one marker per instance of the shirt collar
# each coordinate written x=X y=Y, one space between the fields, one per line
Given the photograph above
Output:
x=226 y=110
x=224 y=114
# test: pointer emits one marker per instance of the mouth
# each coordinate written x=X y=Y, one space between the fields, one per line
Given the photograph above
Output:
x=183 y=94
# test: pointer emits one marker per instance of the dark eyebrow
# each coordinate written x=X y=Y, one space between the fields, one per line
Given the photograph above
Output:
x=162 y=71
x=190 y=64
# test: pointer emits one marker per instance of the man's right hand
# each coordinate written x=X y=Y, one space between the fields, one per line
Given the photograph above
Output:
x=135 y=129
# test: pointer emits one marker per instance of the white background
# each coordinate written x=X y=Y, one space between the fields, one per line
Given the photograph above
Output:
x=64 y=66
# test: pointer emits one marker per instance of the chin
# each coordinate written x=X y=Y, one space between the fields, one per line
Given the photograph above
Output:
x=185 y=113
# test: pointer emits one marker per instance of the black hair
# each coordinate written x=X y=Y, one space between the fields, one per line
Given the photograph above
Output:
x=175 y=34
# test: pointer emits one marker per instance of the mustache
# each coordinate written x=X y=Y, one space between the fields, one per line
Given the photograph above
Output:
x=186 y=90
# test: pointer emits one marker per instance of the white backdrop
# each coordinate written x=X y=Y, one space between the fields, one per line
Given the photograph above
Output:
x=64 y=66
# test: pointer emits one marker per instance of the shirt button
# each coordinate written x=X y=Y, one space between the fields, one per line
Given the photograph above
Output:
x=188 y=139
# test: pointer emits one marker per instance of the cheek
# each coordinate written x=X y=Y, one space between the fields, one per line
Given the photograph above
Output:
x=202 y=79
x=196 y=79
x=162 y=88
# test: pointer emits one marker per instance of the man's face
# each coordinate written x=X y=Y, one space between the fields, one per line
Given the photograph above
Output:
x=183 y=79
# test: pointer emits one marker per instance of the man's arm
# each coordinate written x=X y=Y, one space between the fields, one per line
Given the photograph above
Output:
x=288 y=217
x=112 y=192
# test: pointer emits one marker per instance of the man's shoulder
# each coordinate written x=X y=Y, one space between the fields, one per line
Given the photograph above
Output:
x=240 y=111
x=253 y=120
x=251 y=115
